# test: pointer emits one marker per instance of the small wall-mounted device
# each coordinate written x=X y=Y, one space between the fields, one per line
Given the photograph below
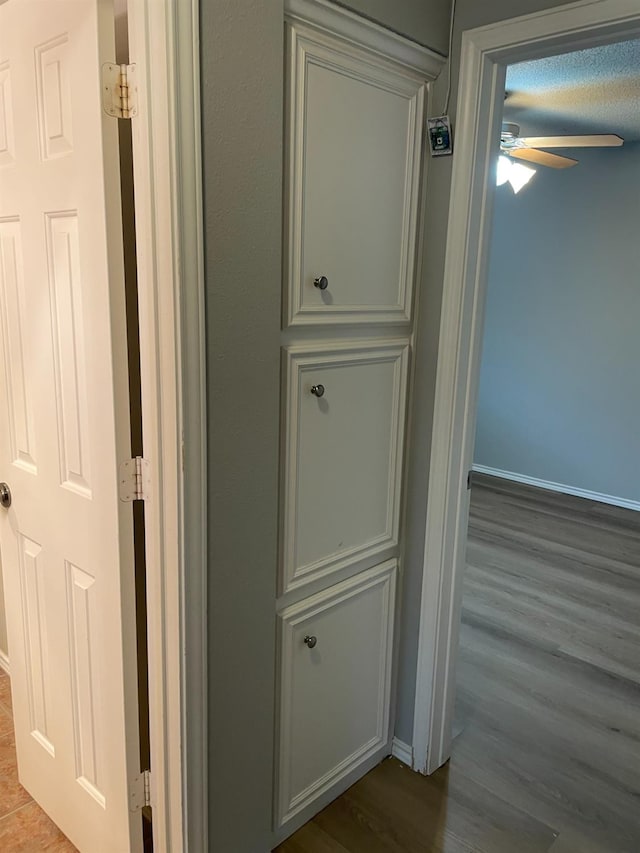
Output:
x=440 y=140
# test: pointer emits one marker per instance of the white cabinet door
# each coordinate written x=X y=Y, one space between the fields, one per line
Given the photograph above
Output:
x=354 y=154
x=343 y=455
x=66 y=540
x=336 y=650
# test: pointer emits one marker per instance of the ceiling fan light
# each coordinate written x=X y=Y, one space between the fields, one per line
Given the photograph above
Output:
x=519 y=175
x=504 y=170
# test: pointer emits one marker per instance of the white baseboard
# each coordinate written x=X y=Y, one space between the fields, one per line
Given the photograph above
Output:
x=4 y=662
x=402 y=751
x=558 y=487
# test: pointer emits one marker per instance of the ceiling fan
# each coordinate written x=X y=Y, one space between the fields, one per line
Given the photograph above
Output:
x=528 y=147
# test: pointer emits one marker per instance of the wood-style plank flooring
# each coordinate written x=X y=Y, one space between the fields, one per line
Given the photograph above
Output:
x=547 y=753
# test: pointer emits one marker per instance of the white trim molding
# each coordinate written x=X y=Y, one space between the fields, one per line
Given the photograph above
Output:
x=562 y=488
x=486 y=52
x=164 y=45
x=190 y=283
x=362 y=32
x=4 y=662
x=149 y=28
x=402 y=751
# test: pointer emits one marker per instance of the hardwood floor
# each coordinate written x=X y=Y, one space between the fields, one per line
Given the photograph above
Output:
x=547 y=753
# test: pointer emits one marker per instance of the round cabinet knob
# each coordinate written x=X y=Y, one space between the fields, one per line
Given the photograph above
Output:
x=322 y=282
x=5 y=495
x=317 y=390
x=310 y=641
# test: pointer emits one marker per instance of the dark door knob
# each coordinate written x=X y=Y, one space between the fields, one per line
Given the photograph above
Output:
x=322 y=282
x=317 y=390
x=5 y=495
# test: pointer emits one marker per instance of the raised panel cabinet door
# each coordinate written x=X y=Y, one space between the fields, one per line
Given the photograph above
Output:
x=66 y=540
x=335 y=685
x=344 y=438
x=354 y=154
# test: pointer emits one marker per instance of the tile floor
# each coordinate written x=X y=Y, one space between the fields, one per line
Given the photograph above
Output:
x=24 y=827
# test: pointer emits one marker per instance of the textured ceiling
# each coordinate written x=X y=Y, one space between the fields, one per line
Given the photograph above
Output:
x=588 y=91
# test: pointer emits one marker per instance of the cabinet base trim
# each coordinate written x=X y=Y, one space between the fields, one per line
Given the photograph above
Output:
x=333 y=777
x=296 y=821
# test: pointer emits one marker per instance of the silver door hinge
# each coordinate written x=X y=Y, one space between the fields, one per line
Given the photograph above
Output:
x=134 y=479
x=140 y=791
x=119 y=90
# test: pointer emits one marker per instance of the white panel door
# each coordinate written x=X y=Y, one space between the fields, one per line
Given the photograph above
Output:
x=335 y=686
x=354 y=149
x=343 y=455
x=66 y=541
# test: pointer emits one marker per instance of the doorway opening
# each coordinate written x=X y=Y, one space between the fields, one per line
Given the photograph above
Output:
x=547 y=678
x=486 y=53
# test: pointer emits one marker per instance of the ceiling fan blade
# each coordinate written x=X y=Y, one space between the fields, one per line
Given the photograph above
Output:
x=542 y=158
x=601 y=140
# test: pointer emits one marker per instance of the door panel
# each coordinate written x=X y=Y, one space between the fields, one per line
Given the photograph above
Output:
x=19 y=399
x=343 y=455
x=69 y=352
x=354 y=159
x=7 y=147
x=335 y=694
x=33 y=582
x=66 y=542
x=54 y=97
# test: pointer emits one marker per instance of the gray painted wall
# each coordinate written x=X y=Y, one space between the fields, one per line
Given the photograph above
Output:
x=242 y=83
x=424 y=21
x=559 y=389
x=469 y=14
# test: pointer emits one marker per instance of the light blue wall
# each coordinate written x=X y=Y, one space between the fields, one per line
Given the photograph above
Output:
x=560 y=380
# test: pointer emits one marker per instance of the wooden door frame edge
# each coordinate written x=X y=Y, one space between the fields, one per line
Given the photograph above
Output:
x=165 y=47
x=485 y=53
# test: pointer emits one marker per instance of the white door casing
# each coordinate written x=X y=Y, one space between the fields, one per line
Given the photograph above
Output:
x=67 y=544
x=163 y=44
x=486 y=52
